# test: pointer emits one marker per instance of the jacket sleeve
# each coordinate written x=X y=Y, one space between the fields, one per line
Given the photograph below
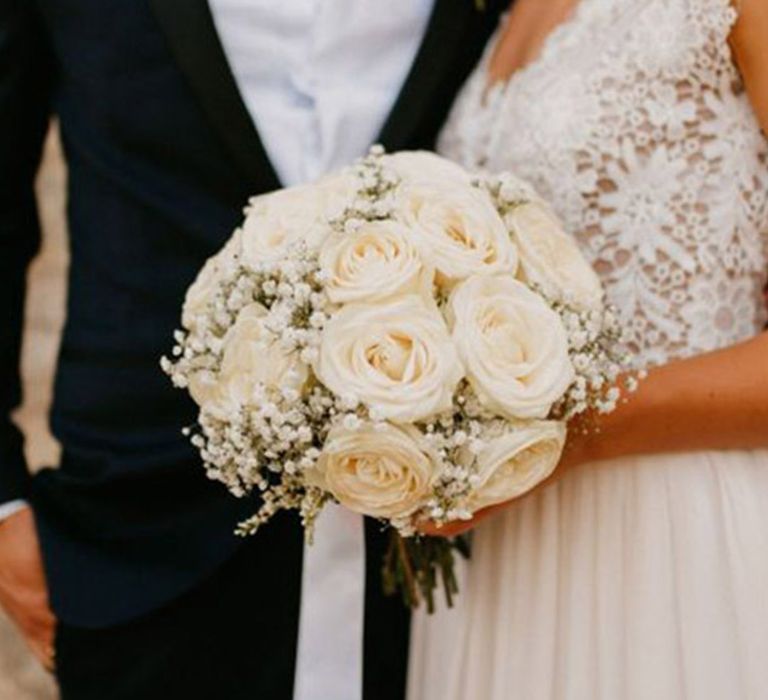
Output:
x=25 y=87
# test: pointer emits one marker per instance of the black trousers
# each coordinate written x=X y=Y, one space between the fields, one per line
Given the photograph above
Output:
x=232 y=638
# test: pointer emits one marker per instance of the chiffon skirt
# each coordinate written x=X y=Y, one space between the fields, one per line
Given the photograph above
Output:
x=638 y=579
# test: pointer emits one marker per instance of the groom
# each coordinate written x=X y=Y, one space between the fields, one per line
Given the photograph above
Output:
x=172 y=113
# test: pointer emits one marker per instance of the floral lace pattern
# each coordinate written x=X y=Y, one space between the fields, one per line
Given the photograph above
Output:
x=635 y=124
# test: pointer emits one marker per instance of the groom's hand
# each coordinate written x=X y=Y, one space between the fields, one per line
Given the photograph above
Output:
x=23 y=589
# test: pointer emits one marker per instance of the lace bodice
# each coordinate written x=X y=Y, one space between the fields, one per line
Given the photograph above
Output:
x=633 y=122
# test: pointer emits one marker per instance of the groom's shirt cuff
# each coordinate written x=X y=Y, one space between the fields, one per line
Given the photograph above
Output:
x=10 y=508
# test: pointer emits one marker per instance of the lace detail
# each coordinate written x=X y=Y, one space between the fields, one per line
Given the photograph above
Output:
x=634 y=123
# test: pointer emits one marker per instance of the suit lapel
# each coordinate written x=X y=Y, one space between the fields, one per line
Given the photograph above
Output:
x=195 y=44
x=452 y=23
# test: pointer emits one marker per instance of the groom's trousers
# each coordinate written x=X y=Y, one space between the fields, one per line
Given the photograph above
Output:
x=213 y=643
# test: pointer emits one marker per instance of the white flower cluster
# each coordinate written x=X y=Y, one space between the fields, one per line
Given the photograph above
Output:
x=399 y=338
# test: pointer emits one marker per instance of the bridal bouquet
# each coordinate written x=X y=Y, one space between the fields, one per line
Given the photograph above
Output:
x=405 y=339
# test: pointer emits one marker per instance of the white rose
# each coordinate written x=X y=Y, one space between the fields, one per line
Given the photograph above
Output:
x=515 y=461
x=202 y=291
x=376 y=261
x=514 y=347
x=383 y=472
x=458 y=230
x=275 y=221
x=426 y=167
x=551 y=259
x=396 y=358
x=252 y=356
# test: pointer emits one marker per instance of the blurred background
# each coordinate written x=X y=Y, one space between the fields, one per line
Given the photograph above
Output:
x=20 y=676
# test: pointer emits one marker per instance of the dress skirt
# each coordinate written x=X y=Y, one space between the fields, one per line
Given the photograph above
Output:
x=644 y=578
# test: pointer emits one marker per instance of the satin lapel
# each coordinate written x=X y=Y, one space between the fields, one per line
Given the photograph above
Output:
x=195 y=44
x=452 y=22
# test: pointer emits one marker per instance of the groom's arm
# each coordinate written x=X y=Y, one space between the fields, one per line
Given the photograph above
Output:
x=25 y=82
x=25 y=85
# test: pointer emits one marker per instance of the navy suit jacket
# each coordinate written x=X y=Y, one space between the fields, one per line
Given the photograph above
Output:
x=162 y=155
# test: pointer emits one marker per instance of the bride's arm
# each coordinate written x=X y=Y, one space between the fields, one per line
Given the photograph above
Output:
x=716 y=401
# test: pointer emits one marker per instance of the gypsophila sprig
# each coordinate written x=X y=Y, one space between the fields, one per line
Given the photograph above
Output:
x=403 y=338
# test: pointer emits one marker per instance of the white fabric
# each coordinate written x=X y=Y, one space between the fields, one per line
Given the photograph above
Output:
x=643 y=578
x=319 y=78
x=330 y=648
x=10 y=508
x=640 y=579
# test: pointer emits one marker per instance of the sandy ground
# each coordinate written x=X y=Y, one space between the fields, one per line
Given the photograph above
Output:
x=20 y=676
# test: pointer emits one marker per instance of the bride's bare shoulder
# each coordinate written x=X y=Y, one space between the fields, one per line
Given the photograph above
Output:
x=750 y=45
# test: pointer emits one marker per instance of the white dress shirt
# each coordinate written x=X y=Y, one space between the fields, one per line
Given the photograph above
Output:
x=319 y=77
x=8 y=509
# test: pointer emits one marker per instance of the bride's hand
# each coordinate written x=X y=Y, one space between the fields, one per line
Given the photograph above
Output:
x=576 y=452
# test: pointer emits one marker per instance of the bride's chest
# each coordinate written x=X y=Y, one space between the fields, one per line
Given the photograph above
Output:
x=650 y=73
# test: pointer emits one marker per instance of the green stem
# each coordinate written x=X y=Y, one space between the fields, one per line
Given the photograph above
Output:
x=418 y=566
x=408 y=578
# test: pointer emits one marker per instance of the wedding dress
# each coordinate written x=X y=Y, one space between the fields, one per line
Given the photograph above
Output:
x=645 y=578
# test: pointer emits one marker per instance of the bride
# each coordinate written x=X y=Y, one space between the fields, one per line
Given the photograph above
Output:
x=641 y=574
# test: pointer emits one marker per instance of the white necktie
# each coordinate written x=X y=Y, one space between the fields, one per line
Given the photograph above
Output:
x=329 y=661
